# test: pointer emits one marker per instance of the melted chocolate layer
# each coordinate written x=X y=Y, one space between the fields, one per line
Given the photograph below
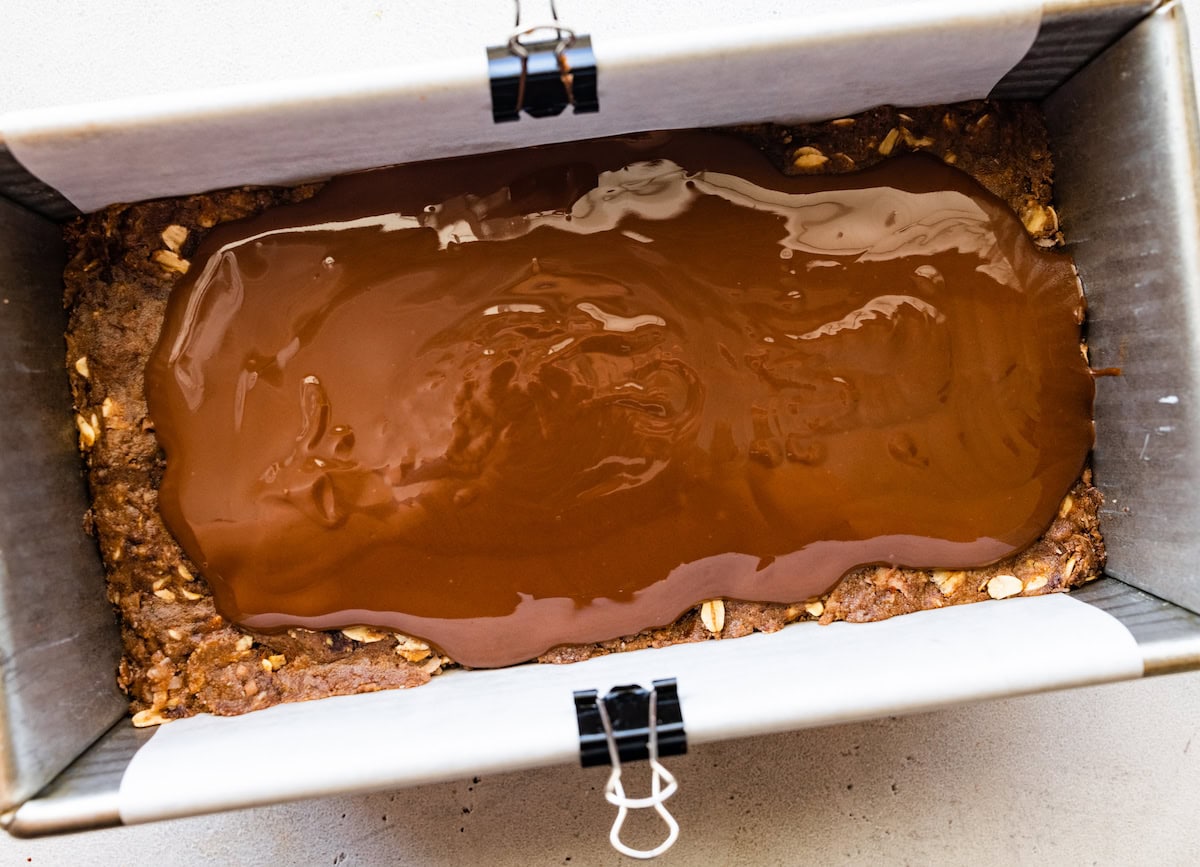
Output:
x=563 y=394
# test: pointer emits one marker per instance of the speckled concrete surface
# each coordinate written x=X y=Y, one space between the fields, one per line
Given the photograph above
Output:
x=1109 y=775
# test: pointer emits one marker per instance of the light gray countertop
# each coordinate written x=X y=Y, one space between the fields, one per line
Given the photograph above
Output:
x=1107 y=775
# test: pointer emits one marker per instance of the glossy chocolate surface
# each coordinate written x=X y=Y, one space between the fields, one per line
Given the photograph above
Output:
x=563 y=394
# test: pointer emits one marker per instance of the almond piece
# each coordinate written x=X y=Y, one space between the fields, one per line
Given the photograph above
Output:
x=171 y=261
x=808 y=159
x=1003 y=586
x=364 y=634
x=174 y=236
x=144 y=718
x=889 y=142
x=712 y=615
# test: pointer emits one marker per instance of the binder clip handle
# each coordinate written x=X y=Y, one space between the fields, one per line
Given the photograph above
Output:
x=517 y=14
x=566 y=39
x=614 y=792
x=541 y=77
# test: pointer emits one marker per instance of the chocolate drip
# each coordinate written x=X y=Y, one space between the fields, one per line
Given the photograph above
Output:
x=563 y=394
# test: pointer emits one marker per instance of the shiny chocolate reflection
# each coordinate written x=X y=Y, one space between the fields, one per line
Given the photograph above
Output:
x=563 y=394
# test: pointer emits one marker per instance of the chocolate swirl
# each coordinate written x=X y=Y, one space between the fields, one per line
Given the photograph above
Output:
x=563 y=394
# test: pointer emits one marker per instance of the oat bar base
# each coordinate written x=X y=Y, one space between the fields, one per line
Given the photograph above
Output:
x=182 y=658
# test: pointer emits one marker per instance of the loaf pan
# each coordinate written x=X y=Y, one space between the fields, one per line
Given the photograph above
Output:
x=1117 y=89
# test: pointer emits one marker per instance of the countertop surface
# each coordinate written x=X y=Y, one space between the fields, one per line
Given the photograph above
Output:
x=1106 y=775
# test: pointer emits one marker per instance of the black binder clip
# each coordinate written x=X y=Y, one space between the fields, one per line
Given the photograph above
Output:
x=542 y=77
x=632 y=723
x=628 y=710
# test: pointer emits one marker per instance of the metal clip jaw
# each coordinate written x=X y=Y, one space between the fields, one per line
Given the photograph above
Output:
x=627 y=724
x=542 y=77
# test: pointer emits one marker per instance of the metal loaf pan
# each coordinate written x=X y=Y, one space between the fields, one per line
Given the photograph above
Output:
x=1116 y=85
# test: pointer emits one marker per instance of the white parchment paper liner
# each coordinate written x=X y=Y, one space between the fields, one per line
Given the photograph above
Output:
x=478 y=722
x=809 y=61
